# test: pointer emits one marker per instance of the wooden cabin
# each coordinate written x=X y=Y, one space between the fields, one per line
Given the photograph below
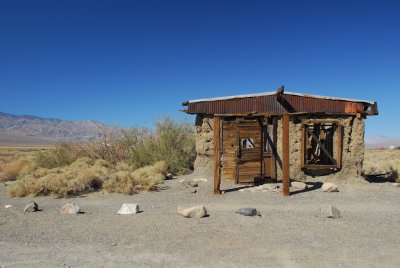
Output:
x=280 y=136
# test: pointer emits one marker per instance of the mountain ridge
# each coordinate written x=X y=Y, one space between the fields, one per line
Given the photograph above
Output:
x=52 y=128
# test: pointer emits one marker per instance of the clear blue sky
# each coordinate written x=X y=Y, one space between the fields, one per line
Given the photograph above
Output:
x=129 y=62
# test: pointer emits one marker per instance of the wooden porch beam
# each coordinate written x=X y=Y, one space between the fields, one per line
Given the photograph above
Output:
x=285 y=156
x=217 y=156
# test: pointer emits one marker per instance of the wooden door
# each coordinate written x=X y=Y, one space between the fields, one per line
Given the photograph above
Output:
x=229 y=147
x=268 y=150
x=249 y=151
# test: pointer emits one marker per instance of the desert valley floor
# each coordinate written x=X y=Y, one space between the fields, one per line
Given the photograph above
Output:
x=290 y=233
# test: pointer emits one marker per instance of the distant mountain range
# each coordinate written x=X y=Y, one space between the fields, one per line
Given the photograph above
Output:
x=48 y=130
x=33 y=130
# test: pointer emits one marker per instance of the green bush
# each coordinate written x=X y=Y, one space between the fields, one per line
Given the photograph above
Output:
x=135 y=161
x=60 y=155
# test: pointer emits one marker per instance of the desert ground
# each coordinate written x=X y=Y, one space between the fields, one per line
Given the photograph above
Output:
x=290 y=232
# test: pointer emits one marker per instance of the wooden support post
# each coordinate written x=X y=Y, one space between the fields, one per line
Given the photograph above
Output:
x=285 y=155
x=217 y=156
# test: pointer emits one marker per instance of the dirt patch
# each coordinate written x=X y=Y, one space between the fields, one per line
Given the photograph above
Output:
x=291 y=233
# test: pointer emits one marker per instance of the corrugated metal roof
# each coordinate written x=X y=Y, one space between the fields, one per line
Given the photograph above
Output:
x=280 y=102
x=270 y=93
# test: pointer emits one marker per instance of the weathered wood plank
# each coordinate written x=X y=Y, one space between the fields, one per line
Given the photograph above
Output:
x=217 y=156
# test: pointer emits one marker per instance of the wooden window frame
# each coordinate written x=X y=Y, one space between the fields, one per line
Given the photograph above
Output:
x=337 y=163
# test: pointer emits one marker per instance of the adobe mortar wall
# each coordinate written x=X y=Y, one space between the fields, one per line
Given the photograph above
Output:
x=352 y=155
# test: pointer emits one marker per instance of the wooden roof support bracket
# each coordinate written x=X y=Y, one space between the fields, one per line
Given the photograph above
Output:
x=280 y=97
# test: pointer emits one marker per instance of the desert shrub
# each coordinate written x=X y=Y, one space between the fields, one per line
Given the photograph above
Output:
x=172 y=142
x=10 y=171
x=142 y=179
x=61 y=155
x=138 y=160
x=82 y=176
x=384 y=164
x=120 y=182
x=175 y=144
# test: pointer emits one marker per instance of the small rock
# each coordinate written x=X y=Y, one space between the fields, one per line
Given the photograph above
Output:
x=193 y=191
x=200 y=180
x=330 y=212
x=70 y=208
x=168 y=176
x=128 y=208
x=193 y=212
x=299 y=185
x=8 y=206
x=329 y=187
x=31 y=207
x=8 y=183
x=270 y=187
x=395 y=184
x=247 y=211
x=193 y=184
x=114 y=244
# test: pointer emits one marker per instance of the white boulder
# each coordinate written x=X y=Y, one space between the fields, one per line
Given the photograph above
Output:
x=70 y=208
x=329 y=187
x=330 y=212
x=128 y=209
x=193 y=212
x=299 y=185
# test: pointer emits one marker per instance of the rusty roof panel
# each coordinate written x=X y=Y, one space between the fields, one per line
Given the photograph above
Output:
x=261 y=104
x=269 y=103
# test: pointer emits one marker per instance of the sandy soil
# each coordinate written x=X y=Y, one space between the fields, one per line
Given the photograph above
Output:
x=290 y=235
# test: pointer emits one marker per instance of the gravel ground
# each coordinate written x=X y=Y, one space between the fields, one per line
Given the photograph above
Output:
x=290 y=234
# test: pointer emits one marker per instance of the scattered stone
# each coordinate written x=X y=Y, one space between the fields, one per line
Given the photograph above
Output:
x=114 y=244
x=193 y=212
x=270 y=187
x=247 y=211
x=330 y=212
x=31 y=207
x=193 y=191
x=70 y=208
x=8 y=206
x=329 y=187
x=298 y=185
x=200 y=180
x=8 y=183
x=193 y=184
x=128 y=209
x=395 y=184
x=169 y=176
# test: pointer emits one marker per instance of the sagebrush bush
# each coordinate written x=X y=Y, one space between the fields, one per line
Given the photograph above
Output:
x=138 y=160
x=142 y=179
x=11 y=170
x=62 y=154
x=172 y=142
x=382 y=163
x=83 y=175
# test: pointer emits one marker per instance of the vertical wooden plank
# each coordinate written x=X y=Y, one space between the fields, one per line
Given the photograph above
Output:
x=274 y=144
x=217 y=156
x=237 y=151
x=285 y=155
x=303 y=145
x=340 y=147
x=260 y=121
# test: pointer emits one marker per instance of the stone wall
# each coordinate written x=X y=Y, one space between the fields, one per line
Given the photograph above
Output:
x=352 y=155
x=204 y=163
